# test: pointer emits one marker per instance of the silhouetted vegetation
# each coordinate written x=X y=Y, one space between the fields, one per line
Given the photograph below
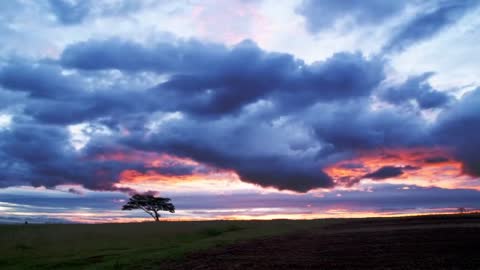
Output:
x=150 y=204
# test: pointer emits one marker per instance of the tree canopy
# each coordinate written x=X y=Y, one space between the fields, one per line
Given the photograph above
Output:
x=150 y=204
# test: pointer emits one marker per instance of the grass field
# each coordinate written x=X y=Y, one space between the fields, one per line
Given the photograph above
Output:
x=120 y=246
x=148 y=245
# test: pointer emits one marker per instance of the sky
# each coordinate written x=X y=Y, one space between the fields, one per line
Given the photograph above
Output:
x=241 y=109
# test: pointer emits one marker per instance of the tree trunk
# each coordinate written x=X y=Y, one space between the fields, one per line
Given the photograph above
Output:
x=157 y=216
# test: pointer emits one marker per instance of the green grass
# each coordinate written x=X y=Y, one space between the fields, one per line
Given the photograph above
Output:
x=124 y=246
x=144 y=245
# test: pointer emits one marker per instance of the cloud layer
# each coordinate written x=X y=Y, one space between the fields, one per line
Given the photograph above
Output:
x=101 y=109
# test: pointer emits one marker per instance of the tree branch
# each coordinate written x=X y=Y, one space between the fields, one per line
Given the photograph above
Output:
x=146 y=211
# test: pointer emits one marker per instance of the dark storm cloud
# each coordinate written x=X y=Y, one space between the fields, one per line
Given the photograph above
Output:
x=416 y=89
x=32 y=152
x=207 y=79
x=343 y=76
x=42 y=156
x=89 y=106
x=459 y=128
x=249 y=76
x=437 y=159
x=381 y=173
x=211 y=80
x=130 y=56
x=39 y=81
x=322 y=14
x=385 y=172
x=430 y=22
x=273 y=119
x=256 y=151
x=9 y=99
x=56 y=98
x=241 y=76
x=354 y=126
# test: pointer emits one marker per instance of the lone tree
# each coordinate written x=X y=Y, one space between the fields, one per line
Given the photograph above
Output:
x=150 y=204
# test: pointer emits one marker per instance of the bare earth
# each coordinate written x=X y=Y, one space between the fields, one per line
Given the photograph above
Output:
x=407 y=243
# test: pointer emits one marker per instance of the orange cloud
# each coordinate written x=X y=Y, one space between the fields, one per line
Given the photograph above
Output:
x=424 y=167
x=201 y=177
